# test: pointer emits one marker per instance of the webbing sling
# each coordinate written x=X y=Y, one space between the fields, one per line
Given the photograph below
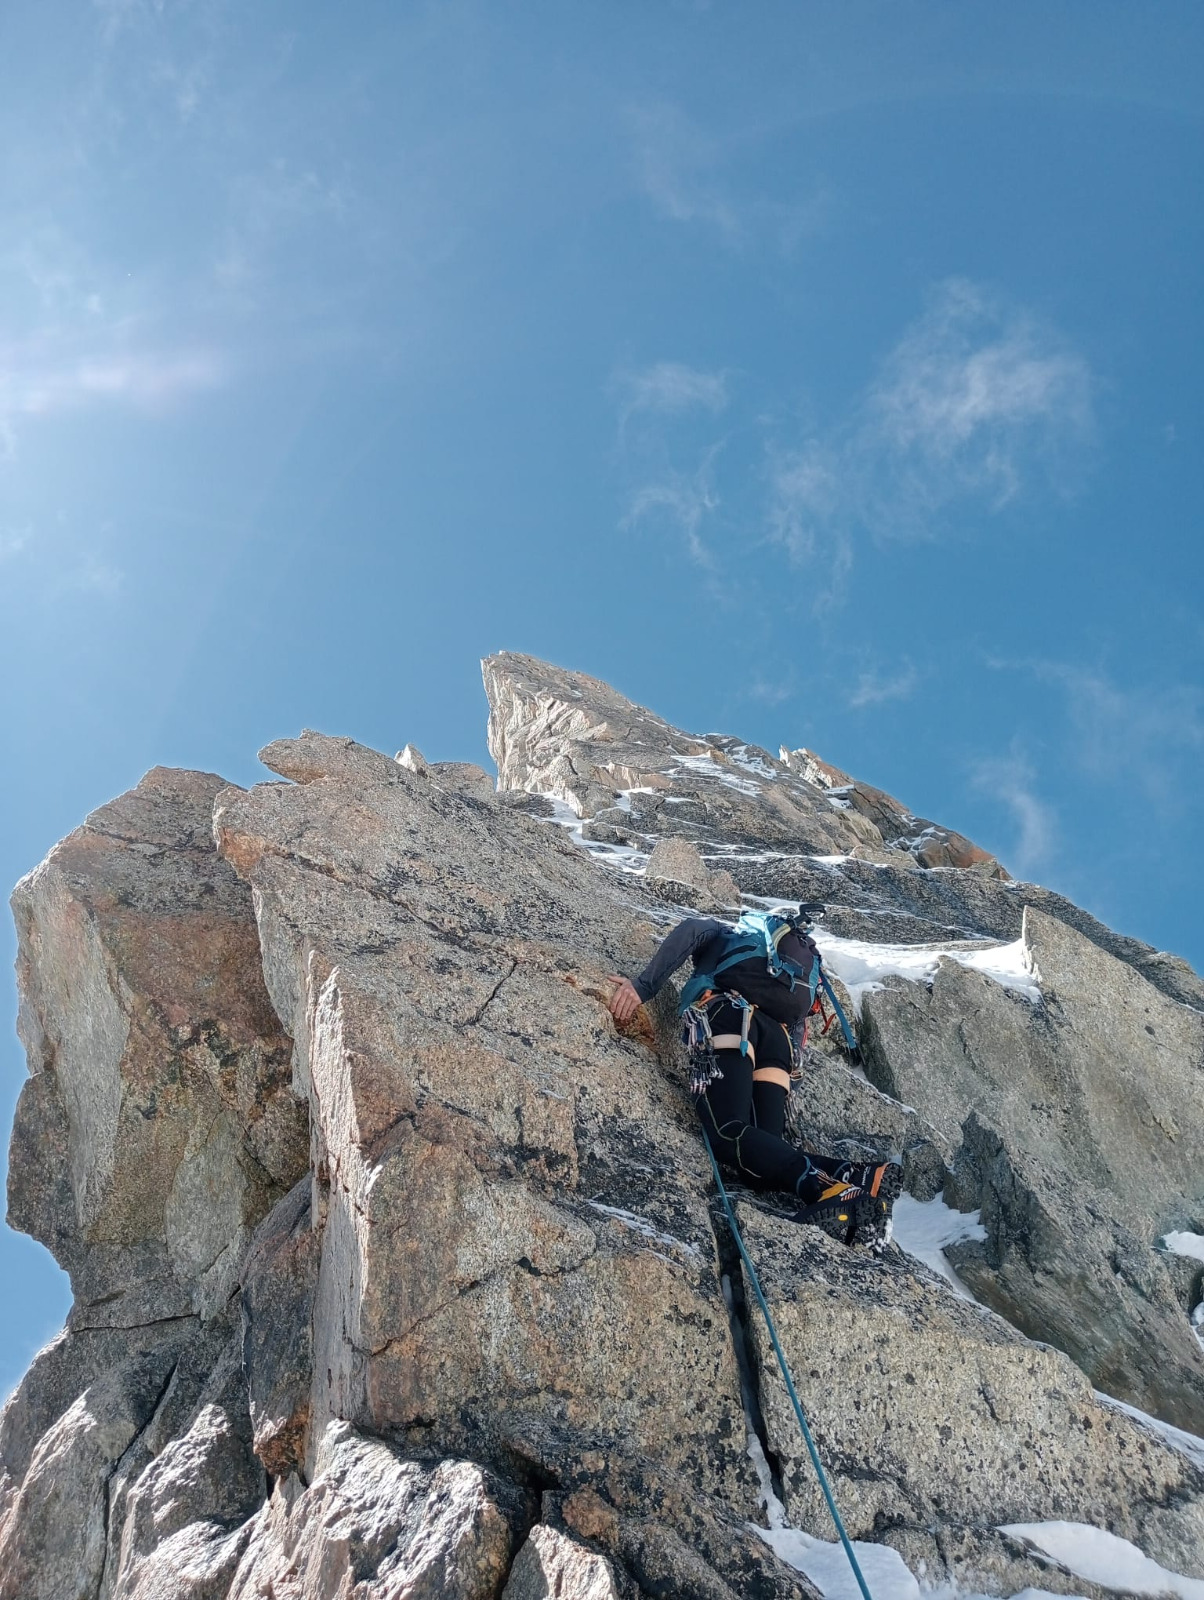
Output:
x=777 y=1350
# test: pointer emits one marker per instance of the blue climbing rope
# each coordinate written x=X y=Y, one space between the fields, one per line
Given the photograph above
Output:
x=849 y=1037
x=777 y=1350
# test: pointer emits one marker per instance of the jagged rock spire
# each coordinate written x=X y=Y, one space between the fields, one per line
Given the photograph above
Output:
x=619 y=765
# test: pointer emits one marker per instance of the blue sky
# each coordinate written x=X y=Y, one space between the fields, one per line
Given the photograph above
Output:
x=826 y=373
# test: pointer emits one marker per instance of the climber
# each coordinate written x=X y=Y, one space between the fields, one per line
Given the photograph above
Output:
x=745 y=1006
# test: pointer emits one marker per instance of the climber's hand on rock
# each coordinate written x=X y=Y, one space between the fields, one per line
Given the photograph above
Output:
x=624 y=1002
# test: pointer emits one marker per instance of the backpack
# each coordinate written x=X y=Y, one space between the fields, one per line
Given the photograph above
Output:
x=756 y=933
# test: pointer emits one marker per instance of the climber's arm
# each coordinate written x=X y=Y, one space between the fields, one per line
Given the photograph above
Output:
x=681 y=944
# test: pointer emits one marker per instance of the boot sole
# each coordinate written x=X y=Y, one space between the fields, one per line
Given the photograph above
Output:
x=849 y=1220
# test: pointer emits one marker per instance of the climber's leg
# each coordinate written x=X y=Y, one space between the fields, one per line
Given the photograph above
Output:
x=733 y=1106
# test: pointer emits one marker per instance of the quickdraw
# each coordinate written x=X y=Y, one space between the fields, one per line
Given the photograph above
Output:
x=701 y=1043
x=700 y=1048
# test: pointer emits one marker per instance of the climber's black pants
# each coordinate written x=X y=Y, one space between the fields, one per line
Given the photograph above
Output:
x=744 y=1115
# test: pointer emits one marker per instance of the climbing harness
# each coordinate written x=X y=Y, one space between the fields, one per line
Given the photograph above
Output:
x=754 y=934
x=785 y=1370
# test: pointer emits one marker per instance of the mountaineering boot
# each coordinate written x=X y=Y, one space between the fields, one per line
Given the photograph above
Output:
x=882 y=1179
x=846 y=1213
x=876 y=1229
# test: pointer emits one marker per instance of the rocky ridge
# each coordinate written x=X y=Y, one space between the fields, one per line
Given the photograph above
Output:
x=397 y=1268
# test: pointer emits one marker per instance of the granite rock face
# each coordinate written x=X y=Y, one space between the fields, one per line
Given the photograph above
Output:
x=279 y=1281
x=553 y=1563
x=936 y=1418
x=398 y=1268
x=1077 y=1126
x=928 y=842
x=677 y=873
x=159 y=1073
x=377 y=1525
x=481 y=1133
x=794 y=827
x=54 y=1525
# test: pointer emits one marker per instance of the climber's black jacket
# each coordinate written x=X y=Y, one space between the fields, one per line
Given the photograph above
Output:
x=703 y=939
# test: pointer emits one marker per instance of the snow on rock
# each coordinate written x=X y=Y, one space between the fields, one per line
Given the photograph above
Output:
x=1191 y=1444
x=641 y=1225
x=709 y=766
x=1103 y=1558
x=886 y=1573
x=826 y=1563
x=624 y=858
x=1185 y=1244
x=862 y=966
x=924 y=1227
x=389 y=967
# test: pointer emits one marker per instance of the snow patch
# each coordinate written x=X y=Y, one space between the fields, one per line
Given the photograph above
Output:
x=646 y=1230
x=862 y=966
x=1185 y=1244
x=886 y=1574
x=709 y=767
x=825 y=1563
x=1104 y=1558
x=1190 y=1444
x=623 y=857
x=924 y=1227
x=1190 y=1245
x=743 y=757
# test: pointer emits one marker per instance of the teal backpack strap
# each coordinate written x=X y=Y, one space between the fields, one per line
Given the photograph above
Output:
x=695 y=987
x=740 y=951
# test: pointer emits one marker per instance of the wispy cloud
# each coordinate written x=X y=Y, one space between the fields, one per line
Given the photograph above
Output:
x=150 y=378
x=96 y=576
x=693 y=176
x=40 y=382
x=670 y=387
x=1138 y=735
x=90 y=334
x=977 y=403
x=773 y=693
x=14 y=540
x=184 y=85
x=806 y=506
x=277 y=214
x=676 y=167
x=681 y=499
x=875 y=689
x=117 y=15
x=1011 y=780
x=683 y=502
x=976 y=398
